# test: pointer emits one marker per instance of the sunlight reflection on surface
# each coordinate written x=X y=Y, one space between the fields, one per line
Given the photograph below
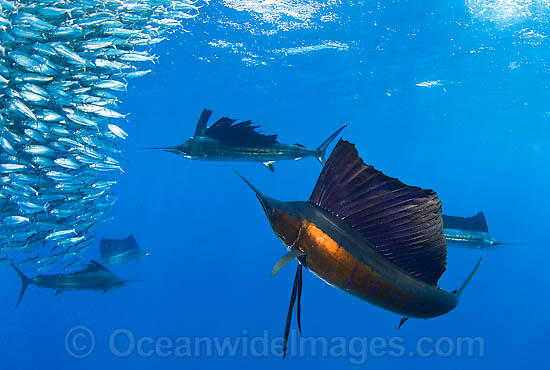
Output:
x=508 y=12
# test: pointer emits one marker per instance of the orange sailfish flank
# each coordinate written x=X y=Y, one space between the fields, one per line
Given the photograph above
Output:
x=369 y=235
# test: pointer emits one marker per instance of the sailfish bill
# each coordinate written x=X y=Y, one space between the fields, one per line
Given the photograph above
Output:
x=228 y=141
x=368 y=234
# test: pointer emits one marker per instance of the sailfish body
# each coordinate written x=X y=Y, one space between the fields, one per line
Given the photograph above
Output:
x=369 y=235
x=469 y=232
x=94 y=277
x=226 y=141
x=116 y=251
x=342 y=257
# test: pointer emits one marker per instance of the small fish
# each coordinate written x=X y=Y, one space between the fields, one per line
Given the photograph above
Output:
x=138 y=57
x=99 y=43
x=21 y=107
x=34 y=135
x=63 y=65
x=33 y=77
x=7 y=146
x=56 y=235
x=33 y=21
x=24 y=189
x=44 y=49
x=11 y=167
x=137 y=74
x=117 y=131
x=47 y=267
x=81 y=119
x=106 y=167
x=67 y=163
x=28 y=261
x=226 y=141
x=35 y=149
x=42 y=161
x=68 y=32
x=29 y=207
x=109 y=64
x=15 y=220
x=25 y=33
x=111 y=85
x=69 y=54
x=35 y=89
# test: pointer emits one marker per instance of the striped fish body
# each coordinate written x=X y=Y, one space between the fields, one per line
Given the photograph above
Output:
x=341 y=257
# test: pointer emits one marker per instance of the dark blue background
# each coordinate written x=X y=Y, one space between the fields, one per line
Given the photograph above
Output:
x=480 y=139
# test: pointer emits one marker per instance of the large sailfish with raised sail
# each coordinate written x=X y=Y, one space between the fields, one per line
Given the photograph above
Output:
x=226 y=141
x=368 y=234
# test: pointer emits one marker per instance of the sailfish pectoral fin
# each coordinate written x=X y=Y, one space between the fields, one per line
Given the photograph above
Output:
x=269 y=165
x=294 y=253
x=297 y=279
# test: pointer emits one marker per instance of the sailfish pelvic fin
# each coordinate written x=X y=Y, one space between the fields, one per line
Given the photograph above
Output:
x=401 y=322
x=297 y=288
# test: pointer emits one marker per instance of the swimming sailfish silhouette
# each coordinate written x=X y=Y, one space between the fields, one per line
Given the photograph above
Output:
x=367 y=234
x=470 y=232
x=94 y=277
x=115 y=251
x=226 y=141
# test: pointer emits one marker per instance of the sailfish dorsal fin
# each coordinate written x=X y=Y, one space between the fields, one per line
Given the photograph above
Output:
x=203 y=120
x=473 y=223
x=402 y=222
x=240 y=134
x=96 y=266
x=113 y=247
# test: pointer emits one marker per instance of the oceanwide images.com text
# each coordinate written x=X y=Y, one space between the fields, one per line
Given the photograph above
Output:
x=80 y=343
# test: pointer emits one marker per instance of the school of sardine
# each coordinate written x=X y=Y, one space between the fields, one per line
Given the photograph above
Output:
x=63 y=66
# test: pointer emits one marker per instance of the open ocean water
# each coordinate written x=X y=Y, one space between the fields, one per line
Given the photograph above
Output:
x=447 y=95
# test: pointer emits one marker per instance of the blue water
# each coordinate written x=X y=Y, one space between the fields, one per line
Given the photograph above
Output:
x=476 y=131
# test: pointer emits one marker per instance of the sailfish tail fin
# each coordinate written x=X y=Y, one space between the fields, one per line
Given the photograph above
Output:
x=322 y=149
x=459 y=291
x=25 y=281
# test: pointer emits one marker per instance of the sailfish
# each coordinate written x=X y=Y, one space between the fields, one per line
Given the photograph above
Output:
x=368 y=234
x=94 y=277
x=226 y=141
x=470 y=232
x=116 y=251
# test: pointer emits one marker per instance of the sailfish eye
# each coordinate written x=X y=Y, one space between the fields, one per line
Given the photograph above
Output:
x=270 y=211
